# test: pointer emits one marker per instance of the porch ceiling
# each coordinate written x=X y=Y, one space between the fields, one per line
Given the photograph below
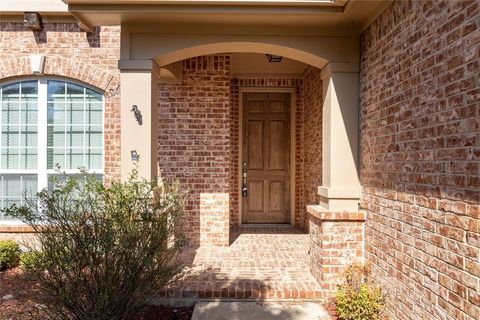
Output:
x=313 y=13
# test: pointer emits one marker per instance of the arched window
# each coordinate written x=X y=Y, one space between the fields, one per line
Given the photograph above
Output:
x=47 y=125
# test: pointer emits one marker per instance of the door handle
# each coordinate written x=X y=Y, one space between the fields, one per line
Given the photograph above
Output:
x=244 y=180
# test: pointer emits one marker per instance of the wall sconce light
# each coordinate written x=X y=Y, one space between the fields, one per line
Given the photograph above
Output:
x=137 y=114
x=273 y=58
x=134 y=155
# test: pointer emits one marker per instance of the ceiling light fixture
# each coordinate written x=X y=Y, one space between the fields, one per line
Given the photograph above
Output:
x=273 y=58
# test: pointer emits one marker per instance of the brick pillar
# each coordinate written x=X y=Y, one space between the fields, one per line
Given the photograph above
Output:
x=336 y=240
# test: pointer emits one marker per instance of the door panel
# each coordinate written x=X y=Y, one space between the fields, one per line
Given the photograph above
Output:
x=277 y=106
x=276 y=195
x=266 y=151
x=255 y=200
x=277 y=145
x=256 y=107
x=255 y=145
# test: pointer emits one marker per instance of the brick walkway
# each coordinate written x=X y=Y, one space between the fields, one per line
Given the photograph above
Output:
x=262 y=263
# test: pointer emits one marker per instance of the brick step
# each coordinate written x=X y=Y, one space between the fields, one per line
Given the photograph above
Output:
x=235 y=293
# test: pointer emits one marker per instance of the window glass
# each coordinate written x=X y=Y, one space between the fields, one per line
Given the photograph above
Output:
x=19 y=126
x=71 y=121
x=14 y=189
x=75 y=127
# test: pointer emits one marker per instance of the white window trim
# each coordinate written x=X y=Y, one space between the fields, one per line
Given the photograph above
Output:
x=42 y=170
x=42 y=115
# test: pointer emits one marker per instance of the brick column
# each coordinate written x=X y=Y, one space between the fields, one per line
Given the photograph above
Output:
x=336 y=240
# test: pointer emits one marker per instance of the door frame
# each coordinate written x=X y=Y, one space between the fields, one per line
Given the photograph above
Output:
x=293 y=143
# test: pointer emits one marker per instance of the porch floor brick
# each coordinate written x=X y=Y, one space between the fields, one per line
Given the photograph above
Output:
x=262 y=263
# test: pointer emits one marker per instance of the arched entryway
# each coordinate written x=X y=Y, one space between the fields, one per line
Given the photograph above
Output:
x=152 y=48
x=219 y=204
x=240 y=47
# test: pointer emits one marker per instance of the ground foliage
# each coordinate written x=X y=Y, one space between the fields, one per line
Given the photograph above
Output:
x=103 y=252
x=359 y=297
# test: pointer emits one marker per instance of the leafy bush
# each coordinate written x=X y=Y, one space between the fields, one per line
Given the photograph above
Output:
x=359 y=297
x=105 y=251
x=32 y=259
x=9 y=254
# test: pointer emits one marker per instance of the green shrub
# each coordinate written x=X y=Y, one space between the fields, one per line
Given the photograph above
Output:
x=105 y=251
x=32 y=259
x=359 y=297
x=9 y=254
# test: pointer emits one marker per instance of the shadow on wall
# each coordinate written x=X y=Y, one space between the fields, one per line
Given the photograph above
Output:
x=40 y=36
x=93 y=38
x=193 y=144
x=191 y=227
x=348 y=134
x=206 y=220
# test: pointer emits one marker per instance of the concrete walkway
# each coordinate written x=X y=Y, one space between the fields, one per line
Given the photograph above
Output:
x=259 y=311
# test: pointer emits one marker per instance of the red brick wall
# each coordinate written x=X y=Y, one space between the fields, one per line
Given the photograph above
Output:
x=202 y=159
x=336 y=241
x=71 y=53
x=266 y=82
x=420 y=156
x=312 y=135
x=194 y=144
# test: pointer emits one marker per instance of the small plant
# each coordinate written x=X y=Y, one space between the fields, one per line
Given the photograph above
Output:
x=103 y=251
x=9 y=254
x=32 y=259
x=359 y=297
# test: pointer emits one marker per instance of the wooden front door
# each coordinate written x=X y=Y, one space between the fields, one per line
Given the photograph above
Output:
x=266 y=158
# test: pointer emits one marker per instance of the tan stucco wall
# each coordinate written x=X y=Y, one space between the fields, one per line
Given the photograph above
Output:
x=139 y=88
x=171 y=43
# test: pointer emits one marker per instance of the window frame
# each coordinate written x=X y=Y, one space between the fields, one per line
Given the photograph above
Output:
x=42 y=172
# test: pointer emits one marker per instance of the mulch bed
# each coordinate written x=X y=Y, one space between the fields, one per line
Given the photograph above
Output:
x=22 y=305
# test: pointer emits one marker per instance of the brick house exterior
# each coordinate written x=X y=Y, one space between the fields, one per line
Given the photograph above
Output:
x=418 y=220
x=91 y=59
x=69 y=53
x=420 y=158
